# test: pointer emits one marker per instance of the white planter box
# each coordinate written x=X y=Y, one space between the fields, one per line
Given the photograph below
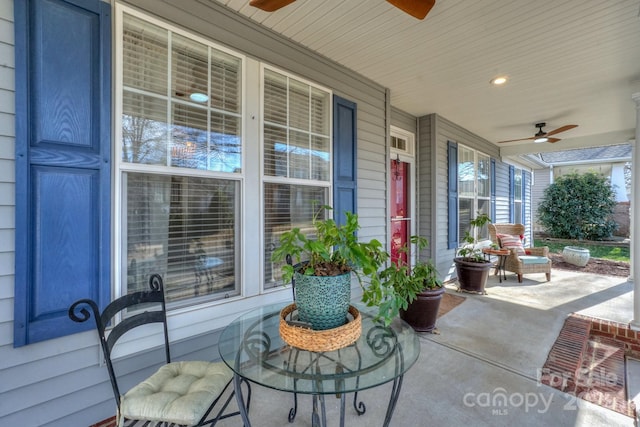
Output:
x=575 y=255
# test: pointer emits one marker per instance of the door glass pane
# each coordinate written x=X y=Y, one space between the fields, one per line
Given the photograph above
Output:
x=400 y=220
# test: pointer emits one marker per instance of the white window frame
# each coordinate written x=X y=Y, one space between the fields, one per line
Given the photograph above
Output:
x=476 y=155
x=188 y=321
x=518 y=201
x=264 y=179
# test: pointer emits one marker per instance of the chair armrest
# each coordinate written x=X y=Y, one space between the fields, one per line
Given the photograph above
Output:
x=514 y=254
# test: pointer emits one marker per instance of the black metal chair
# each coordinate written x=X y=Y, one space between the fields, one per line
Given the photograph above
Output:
x=179 y=393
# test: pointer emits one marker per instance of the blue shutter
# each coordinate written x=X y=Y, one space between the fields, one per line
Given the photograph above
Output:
x=493 y=189
x=63 y=161
x=344 y=158
x=452 y=159
x=512 y=194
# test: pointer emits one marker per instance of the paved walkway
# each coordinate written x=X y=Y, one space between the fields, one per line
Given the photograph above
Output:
x=482 y=370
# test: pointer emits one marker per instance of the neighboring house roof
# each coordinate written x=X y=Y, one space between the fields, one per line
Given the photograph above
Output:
x=620 y=152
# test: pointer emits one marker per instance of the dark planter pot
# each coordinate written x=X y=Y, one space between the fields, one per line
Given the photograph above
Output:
x=422 y=313
x=472 y=276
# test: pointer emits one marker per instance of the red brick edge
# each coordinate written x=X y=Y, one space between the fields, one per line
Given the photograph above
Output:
x=620 y=332
x=565 y=362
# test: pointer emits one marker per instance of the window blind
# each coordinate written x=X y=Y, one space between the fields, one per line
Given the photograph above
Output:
x=182 y=101
x=288 y=206
x=185 y=229
x=181 y=112
x=296 y=129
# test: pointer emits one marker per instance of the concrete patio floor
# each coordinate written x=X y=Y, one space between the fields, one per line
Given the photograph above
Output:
x=490 y=346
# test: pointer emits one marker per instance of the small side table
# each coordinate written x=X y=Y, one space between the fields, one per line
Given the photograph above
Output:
x=502 y=255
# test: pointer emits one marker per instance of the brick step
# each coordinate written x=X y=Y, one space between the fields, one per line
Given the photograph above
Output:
x=565 y=360
x=602 y=377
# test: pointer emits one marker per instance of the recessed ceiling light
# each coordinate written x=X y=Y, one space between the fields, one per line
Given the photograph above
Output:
x=498 y=81
x=199 y=97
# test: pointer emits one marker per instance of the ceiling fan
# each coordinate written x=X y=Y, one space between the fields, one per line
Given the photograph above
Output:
x=416 y=8
x=542 y=136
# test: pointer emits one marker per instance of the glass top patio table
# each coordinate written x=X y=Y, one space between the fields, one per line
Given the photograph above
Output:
x=252 y=347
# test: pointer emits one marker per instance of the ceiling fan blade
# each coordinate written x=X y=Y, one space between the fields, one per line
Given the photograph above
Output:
x=552 y=140
x=561 y=129
x=270 y=5
x=416 y=8
x=514 y=140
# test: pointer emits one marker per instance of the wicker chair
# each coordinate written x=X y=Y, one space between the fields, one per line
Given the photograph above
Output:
x=536 y=261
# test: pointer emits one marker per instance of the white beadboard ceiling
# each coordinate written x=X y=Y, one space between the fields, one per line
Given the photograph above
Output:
x=568 y=61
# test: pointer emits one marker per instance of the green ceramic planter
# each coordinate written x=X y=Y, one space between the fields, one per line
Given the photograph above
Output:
x=324 y=301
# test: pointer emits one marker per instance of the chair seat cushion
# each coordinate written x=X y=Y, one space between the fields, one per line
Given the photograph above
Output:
x=532 y=259
x=179 y=392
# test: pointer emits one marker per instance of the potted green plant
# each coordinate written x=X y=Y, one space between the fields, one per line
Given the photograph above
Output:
x=322 y=265
x=412 y=291
x=471 y=266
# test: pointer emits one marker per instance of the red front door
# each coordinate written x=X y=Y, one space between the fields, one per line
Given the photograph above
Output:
x=400 y=218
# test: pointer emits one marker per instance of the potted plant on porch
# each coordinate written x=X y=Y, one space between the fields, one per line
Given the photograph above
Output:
x=412 y=291
x=322 y=265
x=471 y=266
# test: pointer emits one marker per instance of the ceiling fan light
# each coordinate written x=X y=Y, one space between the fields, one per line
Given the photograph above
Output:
x=499 y=81
x=541 y=139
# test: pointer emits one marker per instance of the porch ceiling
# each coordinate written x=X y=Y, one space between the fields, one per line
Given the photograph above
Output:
x=568 y=62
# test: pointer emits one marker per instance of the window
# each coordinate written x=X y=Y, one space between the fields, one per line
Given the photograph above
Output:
x=297 y=158
x=517 y=196
x=180 y=162
x=474 y=189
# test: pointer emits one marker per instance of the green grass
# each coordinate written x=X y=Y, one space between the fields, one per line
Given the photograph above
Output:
x=613 y=253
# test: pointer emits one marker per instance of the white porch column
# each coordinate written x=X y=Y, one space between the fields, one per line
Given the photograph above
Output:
x=635 y=219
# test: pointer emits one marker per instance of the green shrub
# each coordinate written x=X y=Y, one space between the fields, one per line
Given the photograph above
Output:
x=578 y=206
